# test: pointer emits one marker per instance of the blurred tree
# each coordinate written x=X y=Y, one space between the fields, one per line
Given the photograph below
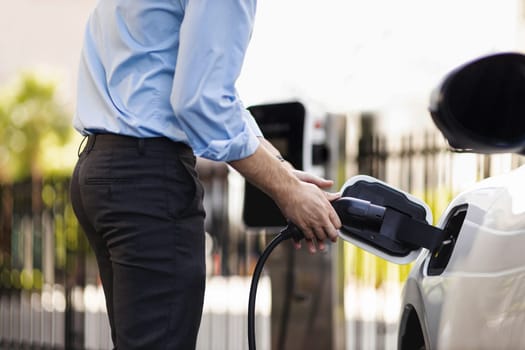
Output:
x=30 y=115
x=32 y=120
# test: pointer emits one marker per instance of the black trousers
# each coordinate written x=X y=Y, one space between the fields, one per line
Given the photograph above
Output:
x=139 y=202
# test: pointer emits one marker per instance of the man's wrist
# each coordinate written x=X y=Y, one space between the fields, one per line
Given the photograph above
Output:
x=286 y=163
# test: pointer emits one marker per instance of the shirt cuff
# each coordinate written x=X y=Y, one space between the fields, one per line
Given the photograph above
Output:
x=241 y=146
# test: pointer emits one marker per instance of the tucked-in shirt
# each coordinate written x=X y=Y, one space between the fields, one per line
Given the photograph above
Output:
x=168 y=68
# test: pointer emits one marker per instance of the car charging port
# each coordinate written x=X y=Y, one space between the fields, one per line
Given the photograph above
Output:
x=440 y=257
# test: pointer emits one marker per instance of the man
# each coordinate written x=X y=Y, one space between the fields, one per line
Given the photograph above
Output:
x=156 y=87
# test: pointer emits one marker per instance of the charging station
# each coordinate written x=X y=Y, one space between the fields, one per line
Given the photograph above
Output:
x=304 y=287
x=283 y=124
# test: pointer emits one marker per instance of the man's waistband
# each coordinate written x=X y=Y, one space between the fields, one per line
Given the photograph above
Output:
x=159 y=144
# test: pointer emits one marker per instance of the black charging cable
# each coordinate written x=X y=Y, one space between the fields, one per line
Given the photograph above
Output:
x=291 y=231
x=289 y=294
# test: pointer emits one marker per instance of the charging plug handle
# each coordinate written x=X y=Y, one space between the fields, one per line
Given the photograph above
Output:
x=354 y=212
x=386 y=228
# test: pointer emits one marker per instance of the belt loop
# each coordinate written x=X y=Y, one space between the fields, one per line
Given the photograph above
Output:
x=79 y=151
x=141 y=146
x=91 y=142
x=89 y=145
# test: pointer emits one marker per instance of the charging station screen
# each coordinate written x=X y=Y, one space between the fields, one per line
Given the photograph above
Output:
x=283 y=125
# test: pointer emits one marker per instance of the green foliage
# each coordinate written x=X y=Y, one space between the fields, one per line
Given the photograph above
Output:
x=31 y=119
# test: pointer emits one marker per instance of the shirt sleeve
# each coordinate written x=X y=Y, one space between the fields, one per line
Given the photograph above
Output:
x=214 y=36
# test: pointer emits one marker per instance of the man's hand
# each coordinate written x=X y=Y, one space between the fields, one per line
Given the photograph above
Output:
x=313 y=179
x=309 y=208
x=298 y=195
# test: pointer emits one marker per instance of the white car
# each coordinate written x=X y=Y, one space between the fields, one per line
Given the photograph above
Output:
x=470 y=293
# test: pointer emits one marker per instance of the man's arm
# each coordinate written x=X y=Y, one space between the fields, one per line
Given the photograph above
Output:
x=301 y=175
x=213 y=39
x=214 y=36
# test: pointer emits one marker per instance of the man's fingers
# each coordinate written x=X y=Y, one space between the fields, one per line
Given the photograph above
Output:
x=320 y=233
x=296 y=244
x=307 y=233
x=332 y=196
x=311 y=246
x=335 y=221
x=315 y=237
x=322 y=183
x=313 y=179
x=331 y=233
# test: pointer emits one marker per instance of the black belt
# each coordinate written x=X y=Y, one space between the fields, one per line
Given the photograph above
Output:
x=159 y=144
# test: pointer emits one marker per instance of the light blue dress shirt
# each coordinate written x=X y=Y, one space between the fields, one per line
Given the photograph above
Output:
x=168 y=68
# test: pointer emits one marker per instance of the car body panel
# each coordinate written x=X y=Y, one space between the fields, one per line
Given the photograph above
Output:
x=478 y=301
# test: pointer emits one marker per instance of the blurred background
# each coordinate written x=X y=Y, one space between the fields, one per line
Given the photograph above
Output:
x=341 y=88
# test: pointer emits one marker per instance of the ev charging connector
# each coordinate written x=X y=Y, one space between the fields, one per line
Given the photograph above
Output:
x=405 y=226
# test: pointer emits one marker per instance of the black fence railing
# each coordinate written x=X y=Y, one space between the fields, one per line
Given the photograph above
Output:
x=50 y=295
x=42 y=258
